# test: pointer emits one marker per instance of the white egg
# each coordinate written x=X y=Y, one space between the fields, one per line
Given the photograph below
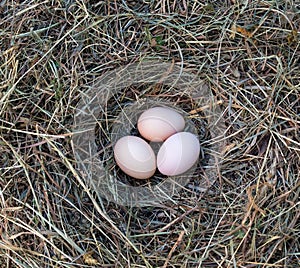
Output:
x=158 y=123
x=178 y=154
x=135 y=157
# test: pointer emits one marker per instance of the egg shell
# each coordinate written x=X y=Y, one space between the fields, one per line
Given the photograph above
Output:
x=135 y=157
x=178 y=154
x=158 y=123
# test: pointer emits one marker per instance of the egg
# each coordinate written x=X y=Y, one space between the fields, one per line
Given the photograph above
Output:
x=178 y=154
x=135 y=157
x=158 y=123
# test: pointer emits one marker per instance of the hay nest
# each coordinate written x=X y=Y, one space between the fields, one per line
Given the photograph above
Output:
x=114 y=103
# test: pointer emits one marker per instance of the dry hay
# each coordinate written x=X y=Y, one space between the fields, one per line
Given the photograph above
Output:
x=248 y=53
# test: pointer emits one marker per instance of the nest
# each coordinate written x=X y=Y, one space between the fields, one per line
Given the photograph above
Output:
x=110 y=110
